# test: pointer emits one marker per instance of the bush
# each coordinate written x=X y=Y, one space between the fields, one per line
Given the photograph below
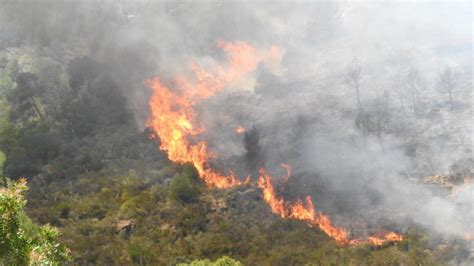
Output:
x=2 y=160
x=224 y=261
x=183 y=186
x=22 y=242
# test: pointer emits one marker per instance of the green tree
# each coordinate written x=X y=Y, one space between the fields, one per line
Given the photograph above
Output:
x=22 y=242
x=25 y=98
x=2 y=161
x=183 y=186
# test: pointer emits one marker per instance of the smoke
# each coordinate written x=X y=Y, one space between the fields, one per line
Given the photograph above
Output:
x=298 y=112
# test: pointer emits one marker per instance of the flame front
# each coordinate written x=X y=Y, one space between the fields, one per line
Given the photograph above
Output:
x=298 y=211
x=173 y=121
x=306 y=212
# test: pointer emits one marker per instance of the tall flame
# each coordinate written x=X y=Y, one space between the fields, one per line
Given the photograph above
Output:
x=172 y=113
x=173 y=121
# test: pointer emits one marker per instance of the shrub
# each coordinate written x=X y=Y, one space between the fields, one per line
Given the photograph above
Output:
x=22 y=242
x=183 y=186
x=224 y=261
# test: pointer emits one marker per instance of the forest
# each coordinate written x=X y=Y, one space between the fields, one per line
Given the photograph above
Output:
x=238 y=133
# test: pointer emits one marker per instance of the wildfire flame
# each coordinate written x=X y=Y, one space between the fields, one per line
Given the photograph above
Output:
x=240 y=129
x=468 y=236
x=298 y=210
x=173 y=121
x=172 y=112
x=306 y=212
x=380 y=238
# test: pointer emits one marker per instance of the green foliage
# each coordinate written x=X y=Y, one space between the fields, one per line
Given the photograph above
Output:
x=5 y=83
x=4 y=113
x=183 y=186
x=2 y=161
x=68 y=123
x=10 y=69
x=164 y=231
x=96 y=102
x=14 y=245
x=224 y=261
x=24 y=99
x=141 y=251
x=21 y=242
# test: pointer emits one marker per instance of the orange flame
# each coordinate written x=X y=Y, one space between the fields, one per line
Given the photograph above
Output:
x=307 y=213
x=298 y=210
x=468 y=237
x=172 y=112
x=172 y=117
x=240 y=129
x=380 y=238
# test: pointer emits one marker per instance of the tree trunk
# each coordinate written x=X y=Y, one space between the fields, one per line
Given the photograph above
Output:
x=40 y=115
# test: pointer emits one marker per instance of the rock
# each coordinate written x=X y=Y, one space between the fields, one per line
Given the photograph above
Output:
x=125 y=227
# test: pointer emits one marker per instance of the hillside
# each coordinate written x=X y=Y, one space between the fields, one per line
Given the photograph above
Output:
x=118 y=200
x=261 y=134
